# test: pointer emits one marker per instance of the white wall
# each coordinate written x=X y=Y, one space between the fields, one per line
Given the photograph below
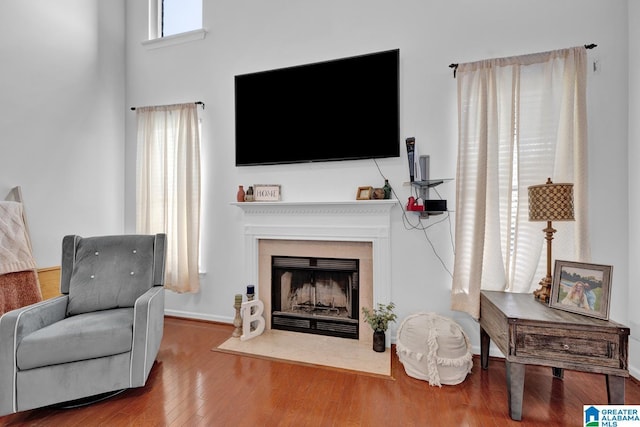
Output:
x=254 y=35
x=62 y=117
x=634 y=183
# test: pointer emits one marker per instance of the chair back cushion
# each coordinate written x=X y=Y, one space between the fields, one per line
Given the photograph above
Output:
x=109 y=271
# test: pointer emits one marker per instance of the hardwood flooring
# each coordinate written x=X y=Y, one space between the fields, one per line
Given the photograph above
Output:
x=190 y=385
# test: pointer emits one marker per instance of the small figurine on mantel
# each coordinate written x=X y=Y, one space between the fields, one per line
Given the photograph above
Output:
x=387 y=189
x=248 y=197
x=378 y=193
x=384 y=192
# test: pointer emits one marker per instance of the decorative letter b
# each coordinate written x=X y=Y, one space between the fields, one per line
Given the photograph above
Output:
x=252 y=313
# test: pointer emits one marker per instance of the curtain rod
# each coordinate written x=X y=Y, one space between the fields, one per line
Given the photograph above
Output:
x=455 y=66
x=197 y=103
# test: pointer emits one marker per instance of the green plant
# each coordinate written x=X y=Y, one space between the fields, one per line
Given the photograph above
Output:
x=379 y=318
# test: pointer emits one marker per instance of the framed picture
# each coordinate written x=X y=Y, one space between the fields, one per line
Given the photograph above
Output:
x=266 y=192
x=581 y=288
x=364 y=193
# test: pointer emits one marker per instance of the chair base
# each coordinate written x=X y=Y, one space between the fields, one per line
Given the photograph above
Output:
x=85 y=401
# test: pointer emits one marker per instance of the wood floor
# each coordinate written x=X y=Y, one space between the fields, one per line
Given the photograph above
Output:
x=190 y=385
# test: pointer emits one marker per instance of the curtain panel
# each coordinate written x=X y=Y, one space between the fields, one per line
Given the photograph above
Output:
x=168 y=187
x=520 y=120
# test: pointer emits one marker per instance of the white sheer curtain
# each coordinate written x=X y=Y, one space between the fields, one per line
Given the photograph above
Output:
x=168 y=187
x=520 y=120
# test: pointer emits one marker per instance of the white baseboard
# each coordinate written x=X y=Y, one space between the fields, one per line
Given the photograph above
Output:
x=198 y=316
x=634 y=372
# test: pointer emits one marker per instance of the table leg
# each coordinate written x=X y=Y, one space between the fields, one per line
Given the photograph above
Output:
x=615 y=389
x=515 y=388
x=558 y=373
x=485 y=340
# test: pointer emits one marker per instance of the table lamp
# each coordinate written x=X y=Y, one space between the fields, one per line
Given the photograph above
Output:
x=549 y=202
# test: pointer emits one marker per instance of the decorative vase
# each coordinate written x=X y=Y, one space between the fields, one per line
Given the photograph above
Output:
x=240 y=195
x=248 y=197
x=379 y=341
x=387 y=189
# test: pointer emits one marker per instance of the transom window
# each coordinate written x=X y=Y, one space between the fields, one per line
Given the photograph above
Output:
x=173 y=17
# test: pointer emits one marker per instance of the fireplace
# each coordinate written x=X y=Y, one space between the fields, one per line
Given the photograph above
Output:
x=354 y=253
x=357 y=229
x=315 y=295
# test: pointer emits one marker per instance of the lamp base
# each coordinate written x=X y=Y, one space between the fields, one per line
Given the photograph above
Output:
x=543 y=294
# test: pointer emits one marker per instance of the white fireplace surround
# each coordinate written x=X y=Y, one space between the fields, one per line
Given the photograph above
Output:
x=353 y=221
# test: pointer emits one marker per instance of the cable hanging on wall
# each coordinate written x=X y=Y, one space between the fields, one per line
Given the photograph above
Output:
x=454 y=66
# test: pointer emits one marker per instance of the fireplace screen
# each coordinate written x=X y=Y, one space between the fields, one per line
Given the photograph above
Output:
x=315 y=295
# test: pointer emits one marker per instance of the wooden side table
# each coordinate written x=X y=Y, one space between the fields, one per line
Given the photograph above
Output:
x=528 y=332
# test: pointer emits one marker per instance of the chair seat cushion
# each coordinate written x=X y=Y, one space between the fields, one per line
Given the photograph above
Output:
x=80 y=337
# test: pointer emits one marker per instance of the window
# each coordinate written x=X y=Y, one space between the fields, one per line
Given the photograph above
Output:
x=168 y=187
x=521 y=120
x=180 y=16
x=174 y=17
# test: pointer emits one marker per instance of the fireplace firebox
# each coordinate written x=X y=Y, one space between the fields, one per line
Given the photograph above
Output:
x=315 y=295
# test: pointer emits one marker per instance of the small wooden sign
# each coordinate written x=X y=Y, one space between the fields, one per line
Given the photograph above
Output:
x=266 y=192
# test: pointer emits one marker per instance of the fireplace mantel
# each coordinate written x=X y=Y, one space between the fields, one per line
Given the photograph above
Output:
x=348 y=207
x=354 y=220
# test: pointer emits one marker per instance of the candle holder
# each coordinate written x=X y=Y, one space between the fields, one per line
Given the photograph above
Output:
x=237 y=320
x=250 y=297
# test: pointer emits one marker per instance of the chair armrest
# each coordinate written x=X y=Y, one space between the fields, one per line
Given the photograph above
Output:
x=15 y=325
x=148 y=327
x=28 y=319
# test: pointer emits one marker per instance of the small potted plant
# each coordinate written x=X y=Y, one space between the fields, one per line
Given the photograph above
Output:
x=378 y=319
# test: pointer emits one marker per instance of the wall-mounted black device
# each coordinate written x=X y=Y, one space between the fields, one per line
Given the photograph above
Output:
x=435 y=205
x=411 y=149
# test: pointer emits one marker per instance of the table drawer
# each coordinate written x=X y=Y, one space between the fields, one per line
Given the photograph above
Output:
x=568 y=345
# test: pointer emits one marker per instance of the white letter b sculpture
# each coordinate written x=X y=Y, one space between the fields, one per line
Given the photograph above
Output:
x=252 y=313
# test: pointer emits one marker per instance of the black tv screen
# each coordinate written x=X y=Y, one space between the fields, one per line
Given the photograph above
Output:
x=335 y=110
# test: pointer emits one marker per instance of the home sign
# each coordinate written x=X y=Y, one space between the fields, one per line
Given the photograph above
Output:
x=266 y=193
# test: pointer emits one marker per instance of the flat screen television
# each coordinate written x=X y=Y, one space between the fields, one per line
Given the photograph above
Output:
x=342 y=109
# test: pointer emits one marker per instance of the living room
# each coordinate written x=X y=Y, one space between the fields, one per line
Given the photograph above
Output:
x=73 y=68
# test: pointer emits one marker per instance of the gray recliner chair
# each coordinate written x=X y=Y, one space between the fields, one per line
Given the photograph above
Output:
x=101 y=335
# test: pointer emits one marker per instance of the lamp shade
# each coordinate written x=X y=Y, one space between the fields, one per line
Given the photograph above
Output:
x=551 y=202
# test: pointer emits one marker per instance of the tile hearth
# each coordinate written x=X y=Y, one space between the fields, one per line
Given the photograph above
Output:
x=315 y=350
